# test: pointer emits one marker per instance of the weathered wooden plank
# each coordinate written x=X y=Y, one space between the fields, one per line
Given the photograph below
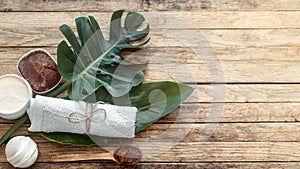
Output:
x=184 y=66
x=234 y=151
x=183 y=54
x=69 y=5
x=38 y=36
x=235 y=72
x=148 y=5
x=235 y=112
x=247 y=93
x=221 y=19
x=198 y=165
x=242 y=92
x=204 y=20
x=40 y=32
x=225 y=132
x=212 y=5
x=233 y=92
x=182 y=152
x=230 y=112
x=212 y=132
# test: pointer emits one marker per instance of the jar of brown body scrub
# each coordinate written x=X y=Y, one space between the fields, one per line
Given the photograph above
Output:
x=40 y=70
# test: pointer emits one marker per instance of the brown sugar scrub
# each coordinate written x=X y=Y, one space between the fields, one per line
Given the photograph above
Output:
x=40 y=70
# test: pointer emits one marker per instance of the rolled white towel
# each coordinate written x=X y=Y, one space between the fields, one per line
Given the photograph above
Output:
x=58 y=115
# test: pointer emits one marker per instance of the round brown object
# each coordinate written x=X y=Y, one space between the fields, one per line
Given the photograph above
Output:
x=128 y=155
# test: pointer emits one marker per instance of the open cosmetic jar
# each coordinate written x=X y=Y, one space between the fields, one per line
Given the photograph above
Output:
x=40 y=70
x=15 y=96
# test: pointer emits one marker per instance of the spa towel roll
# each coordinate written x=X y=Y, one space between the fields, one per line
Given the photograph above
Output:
x=58 y=115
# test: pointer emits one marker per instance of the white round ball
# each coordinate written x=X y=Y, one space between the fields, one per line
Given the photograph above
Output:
x=21 y=151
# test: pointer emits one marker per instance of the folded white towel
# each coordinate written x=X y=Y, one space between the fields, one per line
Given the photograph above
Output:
x=58 y=115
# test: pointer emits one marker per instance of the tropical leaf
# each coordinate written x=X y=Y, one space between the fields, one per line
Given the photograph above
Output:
x=68 y=138
x=95 y=62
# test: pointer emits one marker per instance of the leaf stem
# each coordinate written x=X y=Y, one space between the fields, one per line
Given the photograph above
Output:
x=17 y=125
x=24 y=118
x=60 y=89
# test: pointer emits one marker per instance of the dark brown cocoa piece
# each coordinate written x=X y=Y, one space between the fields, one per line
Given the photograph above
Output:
x=128 y=155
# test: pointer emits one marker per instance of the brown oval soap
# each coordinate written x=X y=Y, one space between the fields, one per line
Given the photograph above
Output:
x=40 y=70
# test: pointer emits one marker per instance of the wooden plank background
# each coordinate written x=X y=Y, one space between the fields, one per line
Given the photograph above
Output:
x=257 y=43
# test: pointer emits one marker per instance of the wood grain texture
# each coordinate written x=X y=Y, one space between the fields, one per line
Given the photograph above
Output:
x=182 y=152
x=244 y=93
x=35 y=30
x=247 y=93
x=233 y=92
x=67 y=5
x=230 y=113
x=148 y=5
x=183 y=54
x=37 y=37
x=183 y=65
x=182 y=20
x=212 y=5
x=226 y=132
x=236 y=112
x=209 y=132
x=257 y=42
x=235 y=72
x=198 y=165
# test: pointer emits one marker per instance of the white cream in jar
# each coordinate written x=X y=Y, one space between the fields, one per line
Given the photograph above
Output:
x=15 y=94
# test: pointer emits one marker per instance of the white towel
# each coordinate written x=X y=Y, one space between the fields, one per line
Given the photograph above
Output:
x=58 y=115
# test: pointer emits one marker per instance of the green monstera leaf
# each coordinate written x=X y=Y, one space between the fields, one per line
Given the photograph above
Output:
x=95 y=62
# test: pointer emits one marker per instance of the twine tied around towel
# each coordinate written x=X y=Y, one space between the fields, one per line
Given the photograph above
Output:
x=91 y=109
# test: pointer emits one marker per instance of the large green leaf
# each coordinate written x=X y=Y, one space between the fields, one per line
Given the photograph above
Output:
x=89 y=63
x=68 y=138
x=153 y=100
